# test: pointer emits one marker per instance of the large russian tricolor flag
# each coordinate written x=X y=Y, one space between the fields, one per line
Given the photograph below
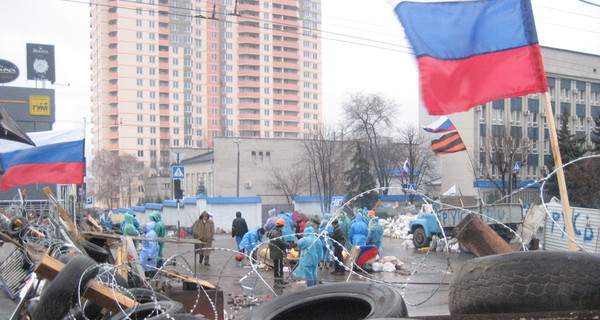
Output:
x=472 y=52
x=57 y=158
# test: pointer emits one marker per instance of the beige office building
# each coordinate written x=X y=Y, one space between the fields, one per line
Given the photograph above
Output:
x=574 y=87
x=177 y=73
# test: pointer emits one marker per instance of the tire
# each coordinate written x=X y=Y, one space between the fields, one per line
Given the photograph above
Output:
x=420 y=239
x=94 y=251
x=63 y=292
x=526 y=282
x=149 y=310
x=14 y=230
x=144 y=295
x=344 y=300
x=463 y=249
x=180 y=316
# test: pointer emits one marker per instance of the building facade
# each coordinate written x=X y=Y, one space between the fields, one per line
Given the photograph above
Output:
x=574 y=88
x=178 y=73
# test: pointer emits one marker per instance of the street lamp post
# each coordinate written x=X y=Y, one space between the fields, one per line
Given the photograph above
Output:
x=237 y=186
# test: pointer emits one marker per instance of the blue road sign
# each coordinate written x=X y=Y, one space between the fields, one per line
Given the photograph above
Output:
x=411 y=188
x=516 y=166
x=178 y=172
x=337 y=201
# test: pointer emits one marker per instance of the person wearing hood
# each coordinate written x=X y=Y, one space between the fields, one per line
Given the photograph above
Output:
x=314 y=222
x=345 y=224
x=149 y=252
x=300 y=225
x=328 y=247
x=288 y=228
x=311 y=252
x=129 y=229
x=358 y=231
x=204 y=230
x=251 y=240
x=375 y=235
x=136 y=223
x=270 y=223
x=161 y=232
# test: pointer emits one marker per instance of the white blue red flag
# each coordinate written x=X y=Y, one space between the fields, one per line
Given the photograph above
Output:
x=472 y=52
x=443 y=124
x=58 y=157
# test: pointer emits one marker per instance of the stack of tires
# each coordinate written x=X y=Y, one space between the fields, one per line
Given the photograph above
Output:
x=60 y=298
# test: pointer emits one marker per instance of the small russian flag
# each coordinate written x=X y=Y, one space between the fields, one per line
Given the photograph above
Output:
x=443 y=124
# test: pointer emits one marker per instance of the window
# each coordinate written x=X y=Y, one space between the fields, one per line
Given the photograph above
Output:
x=140 y=141
x=140 y=153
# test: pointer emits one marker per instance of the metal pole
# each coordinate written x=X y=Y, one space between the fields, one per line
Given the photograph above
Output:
x=237 y=189
x=178 y=222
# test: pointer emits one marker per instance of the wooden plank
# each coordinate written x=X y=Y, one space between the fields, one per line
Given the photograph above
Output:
x=531 y=223
x=478 y=237
x=64 y=216
x=48 y=268
x=115 y=236
x=122 y=260
x=175 y=274
x=132 y=251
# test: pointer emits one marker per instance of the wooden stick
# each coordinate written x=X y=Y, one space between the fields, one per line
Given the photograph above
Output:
x=478 y=237
x=203 y=283
x=560 y=175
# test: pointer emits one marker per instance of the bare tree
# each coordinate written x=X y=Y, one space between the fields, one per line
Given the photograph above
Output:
x=324 y=153
x=413 y=146
x=115 y=176
x=370 y=118
x=291 y=180
x=496 y=161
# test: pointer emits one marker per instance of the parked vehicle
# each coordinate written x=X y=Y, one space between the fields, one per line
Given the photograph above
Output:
x=496 y=216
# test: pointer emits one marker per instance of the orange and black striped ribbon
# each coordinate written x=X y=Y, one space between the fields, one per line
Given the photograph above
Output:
x=448 y=143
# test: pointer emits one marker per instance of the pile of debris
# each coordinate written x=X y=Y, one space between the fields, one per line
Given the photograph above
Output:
x=53 y=270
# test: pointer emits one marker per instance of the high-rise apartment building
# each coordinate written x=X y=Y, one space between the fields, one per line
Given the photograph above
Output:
x=177 y=73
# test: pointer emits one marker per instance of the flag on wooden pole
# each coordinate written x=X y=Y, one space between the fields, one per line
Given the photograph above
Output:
x=472 y=52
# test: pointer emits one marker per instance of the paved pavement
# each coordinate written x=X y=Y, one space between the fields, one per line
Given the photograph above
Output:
x=425 y=291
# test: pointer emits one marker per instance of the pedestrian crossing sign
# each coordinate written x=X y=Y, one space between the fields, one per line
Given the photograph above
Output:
x=178 y=172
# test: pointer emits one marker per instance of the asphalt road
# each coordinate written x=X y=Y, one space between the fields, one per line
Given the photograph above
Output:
x=424 y=286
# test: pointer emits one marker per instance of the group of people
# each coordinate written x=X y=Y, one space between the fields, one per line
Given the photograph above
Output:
x=151 y=253
x=312 y=236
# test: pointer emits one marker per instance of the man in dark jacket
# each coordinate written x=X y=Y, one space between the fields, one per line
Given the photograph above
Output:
x=277 y=250
x=238 y=228
x=339 y=241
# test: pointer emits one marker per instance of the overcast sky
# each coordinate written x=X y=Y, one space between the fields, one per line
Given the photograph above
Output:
x=364 y=48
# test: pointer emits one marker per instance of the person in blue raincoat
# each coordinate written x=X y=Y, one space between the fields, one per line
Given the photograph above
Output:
x=149 y=253
x=270 y=223
x=105 y=219
x=311 y=251
x=136 y=223
x=288 y=228
x=328 y=248
x=375 y=235
x=251 y=239
x=358 y=231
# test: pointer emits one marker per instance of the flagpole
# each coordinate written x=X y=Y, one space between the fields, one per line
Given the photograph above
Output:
x=560 y=175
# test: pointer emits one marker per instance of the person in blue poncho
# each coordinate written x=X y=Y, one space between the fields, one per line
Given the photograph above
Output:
x=105 y=219
x=136 y=223
x=251 y=239
x=328 y=248
x=311 y=251
x=358 y=231
x=149 y=253
x=288 y=228
x=270 y=223
x=375 y=235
